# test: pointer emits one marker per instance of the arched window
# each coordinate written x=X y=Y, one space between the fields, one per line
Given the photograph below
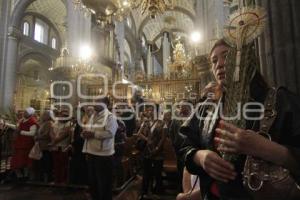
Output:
x=53 y=43
x=41 y=31
x=26 y=28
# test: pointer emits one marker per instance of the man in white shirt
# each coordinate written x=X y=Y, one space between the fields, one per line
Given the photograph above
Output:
x=99 y=136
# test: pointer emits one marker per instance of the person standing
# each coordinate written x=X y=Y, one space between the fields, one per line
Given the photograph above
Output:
x=99 y=136
x=61 y=139
x=206 y=140
x=78 y=161
x=43 y=137
x=153 y=157
x=23 y=143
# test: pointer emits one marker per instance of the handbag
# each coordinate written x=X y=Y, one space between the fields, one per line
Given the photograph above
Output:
x=35 y=152
x=263 y=179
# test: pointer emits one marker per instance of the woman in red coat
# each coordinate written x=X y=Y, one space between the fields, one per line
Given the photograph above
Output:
x=26 y=129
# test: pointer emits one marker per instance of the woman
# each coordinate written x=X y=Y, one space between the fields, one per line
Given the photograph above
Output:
x=43 y=137
x=25 y=130
x=62 y=131
x=221 y=179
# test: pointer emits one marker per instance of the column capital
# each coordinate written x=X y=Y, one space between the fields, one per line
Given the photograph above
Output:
x=14 y=32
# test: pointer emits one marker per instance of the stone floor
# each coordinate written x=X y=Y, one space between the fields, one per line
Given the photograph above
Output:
x=34 y=192
x=132 y=192
x=28 y=191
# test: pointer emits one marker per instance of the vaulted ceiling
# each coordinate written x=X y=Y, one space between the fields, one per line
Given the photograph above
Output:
x=180 y=18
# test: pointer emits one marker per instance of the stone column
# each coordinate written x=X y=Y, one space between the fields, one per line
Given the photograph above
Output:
x=199 y=21
x=111 y=44
x=9 y=73
x=120 y=35
x=149 y=61
x=166 y=54
x=202 y=22
x=4 y=23
x=72 y=19
x=79 y=29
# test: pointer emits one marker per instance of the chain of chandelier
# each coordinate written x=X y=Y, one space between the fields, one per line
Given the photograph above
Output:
x=124 y=7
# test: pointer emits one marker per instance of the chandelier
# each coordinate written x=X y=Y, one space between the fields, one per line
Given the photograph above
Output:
x=70 y=66
x=120 y=9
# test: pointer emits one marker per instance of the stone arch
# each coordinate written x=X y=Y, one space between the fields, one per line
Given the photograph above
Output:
x=32 y=80
x=18 y=12
x=31 y=54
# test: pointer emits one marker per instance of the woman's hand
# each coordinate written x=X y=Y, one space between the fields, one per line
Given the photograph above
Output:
x=235 y=140
x=240 y=141
x=214 y=165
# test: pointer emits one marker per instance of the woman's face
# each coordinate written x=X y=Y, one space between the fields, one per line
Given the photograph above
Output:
x=217 y=58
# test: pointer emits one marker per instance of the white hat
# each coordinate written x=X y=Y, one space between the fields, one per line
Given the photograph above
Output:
x=30 y=110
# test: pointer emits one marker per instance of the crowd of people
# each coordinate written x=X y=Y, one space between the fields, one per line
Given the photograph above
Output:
x=90 y=151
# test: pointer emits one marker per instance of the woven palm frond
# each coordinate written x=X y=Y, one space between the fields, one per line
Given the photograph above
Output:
x=253 y=20
x=238 y=93
x=241 y=62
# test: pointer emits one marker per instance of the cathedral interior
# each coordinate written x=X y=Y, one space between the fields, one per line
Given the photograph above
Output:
x=65 y=54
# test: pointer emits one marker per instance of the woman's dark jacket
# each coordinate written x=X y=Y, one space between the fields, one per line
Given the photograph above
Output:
x=285 y=130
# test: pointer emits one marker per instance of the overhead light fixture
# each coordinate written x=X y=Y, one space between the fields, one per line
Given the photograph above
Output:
x=196 y=37
x=153 y=7
x=126 y=3
x=122 y=8
x=85 y=52
x=73 y=66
